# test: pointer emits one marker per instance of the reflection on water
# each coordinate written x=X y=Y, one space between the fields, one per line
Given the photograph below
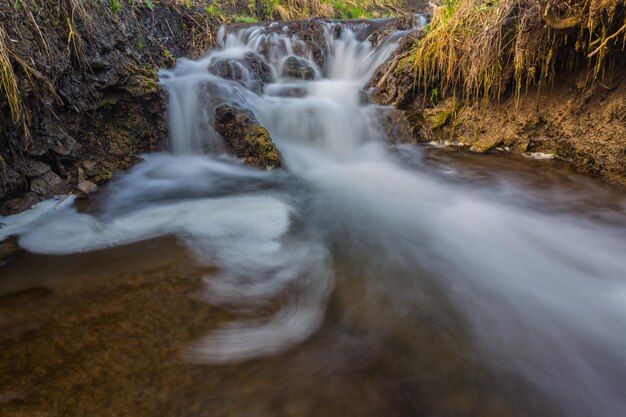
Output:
x=362 y=280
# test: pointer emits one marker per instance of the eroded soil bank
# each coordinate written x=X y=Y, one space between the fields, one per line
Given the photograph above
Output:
x=89 y=102
x=571 y=121
x=509 y=78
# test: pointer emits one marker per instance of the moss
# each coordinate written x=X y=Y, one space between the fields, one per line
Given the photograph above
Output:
x=441 y=115
x=109 y=100
x=100 y=174
x=142 y=80
x=438 y=119
x=485 y=144
x=262 y=149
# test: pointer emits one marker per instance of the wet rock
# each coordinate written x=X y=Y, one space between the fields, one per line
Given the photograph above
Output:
x=18 y=204
x=296 y=68
x=378 y=30
x=109 y=84
x=87 y=187
x=310 y=41
x=47 y=184
x=396 y=125
x=259 y=67
x=10 y=179
x=141 y=81
x=63 y=145
x=88 y=164
x=246 y=137
x=311 y=33
x=100 y=174
x=289 y=92
x=485 y=144
x=252 y=70
x=34 y=168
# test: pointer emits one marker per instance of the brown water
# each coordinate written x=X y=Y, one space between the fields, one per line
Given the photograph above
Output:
x=106 y=333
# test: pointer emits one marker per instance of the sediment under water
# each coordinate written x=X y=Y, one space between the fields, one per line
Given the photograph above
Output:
x=362 y=279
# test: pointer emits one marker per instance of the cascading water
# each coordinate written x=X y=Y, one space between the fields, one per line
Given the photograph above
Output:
x=541 y=296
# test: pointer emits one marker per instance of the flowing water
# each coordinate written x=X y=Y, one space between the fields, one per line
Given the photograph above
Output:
x=363 y=279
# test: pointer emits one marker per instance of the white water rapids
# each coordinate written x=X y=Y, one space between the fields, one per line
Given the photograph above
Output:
x=542 y=295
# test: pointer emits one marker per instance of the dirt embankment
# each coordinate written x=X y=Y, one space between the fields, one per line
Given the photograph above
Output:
x=546 y=82
x=584 y=125
x=80 y=97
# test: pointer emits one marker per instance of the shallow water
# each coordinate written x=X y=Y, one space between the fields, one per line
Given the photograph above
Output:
x=363 y=279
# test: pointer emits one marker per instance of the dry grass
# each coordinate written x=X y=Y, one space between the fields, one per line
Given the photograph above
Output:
x=14 y=64
x=8 y=81
x=477 y=49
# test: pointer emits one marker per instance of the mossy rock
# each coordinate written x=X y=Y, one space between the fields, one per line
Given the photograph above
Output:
x=485 y=144
x=442 y=114
x=264 y=153
x=246 y=137
x=141 y=80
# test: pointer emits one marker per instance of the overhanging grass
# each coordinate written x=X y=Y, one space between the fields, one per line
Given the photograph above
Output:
x=478 y=49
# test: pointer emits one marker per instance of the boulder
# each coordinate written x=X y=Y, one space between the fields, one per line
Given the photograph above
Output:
x=63 y=145
x=245 y=137
x=396 y=125
x=47 y=184
x=251 y=70
x=296 y=68
x=87 y=187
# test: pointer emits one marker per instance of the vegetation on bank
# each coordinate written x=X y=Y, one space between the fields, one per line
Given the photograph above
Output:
x=75 y=22
x=480 y=49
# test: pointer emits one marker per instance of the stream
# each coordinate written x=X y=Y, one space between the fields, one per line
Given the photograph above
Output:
x=365 y=278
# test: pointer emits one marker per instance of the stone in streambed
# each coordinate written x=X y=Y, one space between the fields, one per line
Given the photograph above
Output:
x=396 y=126
x=87 y=187
x=295 y=68
x=246 y=137
x=251 y=70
